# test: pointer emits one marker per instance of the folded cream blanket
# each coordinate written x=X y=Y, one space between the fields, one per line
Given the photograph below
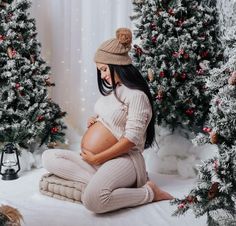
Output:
x=60 y=188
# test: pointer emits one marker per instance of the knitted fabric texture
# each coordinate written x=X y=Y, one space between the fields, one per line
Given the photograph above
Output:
x=59 y=188
x=115 y=50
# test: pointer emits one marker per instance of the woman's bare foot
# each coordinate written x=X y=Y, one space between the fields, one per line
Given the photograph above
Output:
x=159 y=194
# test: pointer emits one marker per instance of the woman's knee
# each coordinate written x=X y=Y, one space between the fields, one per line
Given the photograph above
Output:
x=47 y=158
x=96 y=199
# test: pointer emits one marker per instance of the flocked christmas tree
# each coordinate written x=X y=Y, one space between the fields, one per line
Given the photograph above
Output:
x=27 y=114
x=215 y=193
x=176 y=49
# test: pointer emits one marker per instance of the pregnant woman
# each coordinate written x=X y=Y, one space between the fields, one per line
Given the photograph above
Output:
x=110 y=163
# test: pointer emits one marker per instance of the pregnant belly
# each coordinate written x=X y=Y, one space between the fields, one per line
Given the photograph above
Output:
x=97 y=138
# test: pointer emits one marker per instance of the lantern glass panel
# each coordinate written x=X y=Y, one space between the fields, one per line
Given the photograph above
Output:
x=9 y=161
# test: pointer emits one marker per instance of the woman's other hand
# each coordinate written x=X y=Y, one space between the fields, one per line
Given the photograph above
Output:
x=89 y=157
x=91 y=121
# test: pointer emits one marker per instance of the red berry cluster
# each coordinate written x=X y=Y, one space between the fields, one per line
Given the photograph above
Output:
x=54 y=130
x=40 y=118
x=138 y=50
x=207 y=129
x=189 y=111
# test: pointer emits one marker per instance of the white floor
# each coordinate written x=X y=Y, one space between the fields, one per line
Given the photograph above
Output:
x=40 y=210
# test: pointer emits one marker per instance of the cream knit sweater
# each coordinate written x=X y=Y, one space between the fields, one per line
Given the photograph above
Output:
x=127 y=119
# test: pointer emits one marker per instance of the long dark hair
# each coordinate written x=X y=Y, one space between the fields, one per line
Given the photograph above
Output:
x=132 y=78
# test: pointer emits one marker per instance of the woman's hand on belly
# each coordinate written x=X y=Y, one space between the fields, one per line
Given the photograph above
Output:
x=89 y=157
x=91 y=121
x=120 y=148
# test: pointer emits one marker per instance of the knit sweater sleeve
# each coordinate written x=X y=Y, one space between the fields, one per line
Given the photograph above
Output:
x=139 y=116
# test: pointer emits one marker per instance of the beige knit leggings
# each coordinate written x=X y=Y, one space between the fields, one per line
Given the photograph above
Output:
x=109 y=186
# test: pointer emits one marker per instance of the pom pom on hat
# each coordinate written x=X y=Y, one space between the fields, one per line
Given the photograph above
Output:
x=124 y=36
x=115 y=51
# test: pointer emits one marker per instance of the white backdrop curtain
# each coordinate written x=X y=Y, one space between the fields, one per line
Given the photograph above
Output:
x=70 y=32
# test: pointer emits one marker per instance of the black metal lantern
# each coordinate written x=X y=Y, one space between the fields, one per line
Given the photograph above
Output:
x=9 y=165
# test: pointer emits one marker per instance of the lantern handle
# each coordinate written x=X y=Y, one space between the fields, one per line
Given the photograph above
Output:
x=18 y=162
x=1 y=163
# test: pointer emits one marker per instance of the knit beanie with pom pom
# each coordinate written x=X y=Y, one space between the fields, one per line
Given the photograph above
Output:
x=115 y=50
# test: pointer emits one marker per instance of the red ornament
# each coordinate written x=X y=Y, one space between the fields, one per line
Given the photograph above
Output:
x=1 y=38
x=22 y=93
x=154 y=39
x=204 y=54
x=54 y=130
x=200 y=71
x=17 y=86
x=171 y=12
x=183 y=75
x=175 y=54
x=189 y=111
x=186 y=56
x=181 y=205
x=207 y=129
x=40 y=118
x=180 y=22
x=162 y=74
x=138 y=50
x=153 y=26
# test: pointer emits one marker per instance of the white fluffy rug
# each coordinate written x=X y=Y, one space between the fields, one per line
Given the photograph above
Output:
x=40 y=210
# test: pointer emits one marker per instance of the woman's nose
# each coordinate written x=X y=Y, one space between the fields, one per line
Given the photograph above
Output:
x=103 y=75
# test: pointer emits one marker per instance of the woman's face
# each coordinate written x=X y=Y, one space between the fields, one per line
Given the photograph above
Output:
x=105 y=73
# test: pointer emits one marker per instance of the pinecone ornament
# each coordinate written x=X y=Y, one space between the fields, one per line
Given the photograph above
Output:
x=150 y=75
x=11 y=52
x=213 y=191
x=52 y=145
x=160 y=94
x=214 y=137
x=32 y=58
x=232 y=79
